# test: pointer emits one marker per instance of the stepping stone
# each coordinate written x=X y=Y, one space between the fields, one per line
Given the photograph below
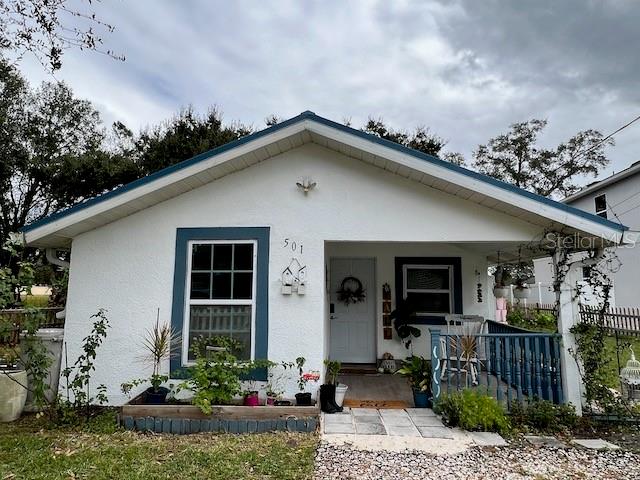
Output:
x=370 y=429
x=435 y=432
x=362 y=412
x=398 y=421
x=595 y=444
x=369 y=419
x=427 y=421
x=420 y=412
x=544 y=441
x=488 y=439
x=339 y=429
x=393 y=413
x=334 y=419
x=397 y=431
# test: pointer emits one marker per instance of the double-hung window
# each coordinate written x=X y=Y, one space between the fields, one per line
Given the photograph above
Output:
x=220 y=298
x=429 y=288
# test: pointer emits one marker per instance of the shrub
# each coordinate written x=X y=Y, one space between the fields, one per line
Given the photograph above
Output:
x=472 y=410
x=532 y=320
x=543 y=416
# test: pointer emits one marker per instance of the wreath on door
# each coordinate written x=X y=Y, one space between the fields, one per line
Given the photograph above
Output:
x=351 y=291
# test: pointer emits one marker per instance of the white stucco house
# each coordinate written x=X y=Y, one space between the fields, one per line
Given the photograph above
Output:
x=616 y=198
x=255 y=238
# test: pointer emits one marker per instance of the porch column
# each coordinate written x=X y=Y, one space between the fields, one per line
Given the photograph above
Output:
x=568 y=316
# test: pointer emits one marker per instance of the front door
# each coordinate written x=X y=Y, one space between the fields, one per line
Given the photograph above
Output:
x=353 y=325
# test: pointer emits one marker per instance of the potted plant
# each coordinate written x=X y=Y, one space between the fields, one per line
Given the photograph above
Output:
x=157 y=344
x=418 y=371
x=13 y=378
x=521 y=290
x=503 y=279
x=403 y=316
x=251 y=397
x=330 y=398
x=304 y=398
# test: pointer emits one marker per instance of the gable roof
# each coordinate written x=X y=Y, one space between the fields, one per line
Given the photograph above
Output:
x=57 y=229
x=610 y=180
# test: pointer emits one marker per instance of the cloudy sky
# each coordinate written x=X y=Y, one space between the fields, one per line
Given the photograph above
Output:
x=466 y=69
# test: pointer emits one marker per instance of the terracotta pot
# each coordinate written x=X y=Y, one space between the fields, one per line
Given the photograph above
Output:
x=13 y=394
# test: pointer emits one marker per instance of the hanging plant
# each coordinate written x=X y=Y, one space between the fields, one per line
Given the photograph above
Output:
x=351 y=291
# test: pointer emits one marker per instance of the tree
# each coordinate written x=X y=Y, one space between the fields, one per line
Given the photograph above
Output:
x=51 y=152
x=419 y=139
x=185 y=135
x=515 y=158
x=46 y=28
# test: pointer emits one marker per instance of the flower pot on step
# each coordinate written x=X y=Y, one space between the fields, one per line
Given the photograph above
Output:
x=341 y=391
x=422 y=399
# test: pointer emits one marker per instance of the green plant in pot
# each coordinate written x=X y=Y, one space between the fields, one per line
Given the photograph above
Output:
x=403 y=317
x=304 y=398
x=332 y=393
x=417 y=370
x=157 y=345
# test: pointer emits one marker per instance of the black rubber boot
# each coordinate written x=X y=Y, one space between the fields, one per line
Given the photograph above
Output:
x=326 y=398
x=332 y=399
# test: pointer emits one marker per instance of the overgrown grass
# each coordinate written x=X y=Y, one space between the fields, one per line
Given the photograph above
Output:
x=98 y=451
x=613 y=380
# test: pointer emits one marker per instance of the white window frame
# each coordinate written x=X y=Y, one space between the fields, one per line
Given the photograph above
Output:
x=406 y=290
x=186 y=324
x=595 y=205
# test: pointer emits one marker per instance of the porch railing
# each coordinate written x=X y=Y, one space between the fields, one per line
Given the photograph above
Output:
x=506 y=365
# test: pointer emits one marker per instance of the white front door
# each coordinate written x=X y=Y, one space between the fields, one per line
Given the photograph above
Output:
x=353 y=326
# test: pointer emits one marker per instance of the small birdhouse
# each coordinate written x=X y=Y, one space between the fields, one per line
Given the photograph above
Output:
x=287 y=281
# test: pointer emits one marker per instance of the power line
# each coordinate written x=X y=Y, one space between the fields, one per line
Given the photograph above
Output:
x=589 y=150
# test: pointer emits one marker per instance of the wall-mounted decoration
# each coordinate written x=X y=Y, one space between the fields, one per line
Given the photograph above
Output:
x=294 y=278
x=388 y=333
x=386 y=306
x=478 y=287
x=351 y=291
x=306 y=185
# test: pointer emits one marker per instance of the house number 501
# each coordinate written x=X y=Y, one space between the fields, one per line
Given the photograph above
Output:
x=293 y=245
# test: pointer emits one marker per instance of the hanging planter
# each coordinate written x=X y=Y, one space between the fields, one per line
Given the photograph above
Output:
x=351 y=291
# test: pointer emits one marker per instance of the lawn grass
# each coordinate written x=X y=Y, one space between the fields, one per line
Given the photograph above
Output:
x=613 y=379
x=99 y=451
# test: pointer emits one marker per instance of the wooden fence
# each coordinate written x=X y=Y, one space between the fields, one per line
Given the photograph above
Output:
x=48 y=316
x=622 y=320
x=537 y=307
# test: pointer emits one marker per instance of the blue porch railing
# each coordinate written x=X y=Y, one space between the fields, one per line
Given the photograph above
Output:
x=512 y=364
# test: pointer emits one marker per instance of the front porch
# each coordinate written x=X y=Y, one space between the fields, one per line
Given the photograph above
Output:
x=451 y=283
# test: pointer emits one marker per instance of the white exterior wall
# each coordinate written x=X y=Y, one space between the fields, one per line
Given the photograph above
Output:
x=621 y=196
x=127 y=266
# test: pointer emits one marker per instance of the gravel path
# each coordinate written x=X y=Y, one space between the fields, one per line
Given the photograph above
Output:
x=522 y=462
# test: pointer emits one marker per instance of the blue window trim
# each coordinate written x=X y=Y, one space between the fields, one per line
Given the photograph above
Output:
x=455 y=262
x=261 y=236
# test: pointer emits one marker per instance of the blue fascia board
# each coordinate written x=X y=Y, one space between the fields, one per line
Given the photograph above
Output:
x=308 y=115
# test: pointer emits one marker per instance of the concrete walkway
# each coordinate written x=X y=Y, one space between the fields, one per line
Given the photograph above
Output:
x=393 y=430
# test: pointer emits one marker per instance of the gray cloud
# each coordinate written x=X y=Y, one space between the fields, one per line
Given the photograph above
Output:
x=466 y=69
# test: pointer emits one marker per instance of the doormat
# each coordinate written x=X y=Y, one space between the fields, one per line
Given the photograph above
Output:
x=375 y=403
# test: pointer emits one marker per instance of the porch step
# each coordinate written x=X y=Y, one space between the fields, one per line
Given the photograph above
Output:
x=358 y=368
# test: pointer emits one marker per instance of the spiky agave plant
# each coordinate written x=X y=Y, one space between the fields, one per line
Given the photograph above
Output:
x=158 y=342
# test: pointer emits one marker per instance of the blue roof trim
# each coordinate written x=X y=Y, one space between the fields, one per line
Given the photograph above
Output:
x=308 y=115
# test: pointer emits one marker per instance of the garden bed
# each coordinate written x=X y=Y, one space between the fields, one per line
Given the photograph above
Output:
x=182 y=418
